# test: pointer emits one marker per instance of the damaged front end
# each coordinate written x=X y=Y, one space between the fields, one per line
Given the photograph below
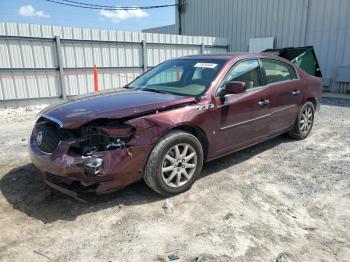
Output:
x=103 y=155
x=101 y=135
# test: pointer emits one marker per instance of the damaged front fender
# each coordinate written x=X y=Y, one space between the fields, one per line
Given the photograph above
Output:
x=147 y=131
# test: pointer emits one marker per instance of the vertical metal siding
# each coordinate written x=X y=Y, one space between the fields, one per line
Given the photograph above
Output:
x=329 y=33
x=27 y=54
x=240 y=20
x=20 y=85
x=28 y=66
x=324 y=24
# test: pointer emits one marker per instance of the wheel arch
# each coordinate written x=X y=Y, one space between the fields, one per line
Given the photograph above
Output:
x=198 y=133
x=313 y=101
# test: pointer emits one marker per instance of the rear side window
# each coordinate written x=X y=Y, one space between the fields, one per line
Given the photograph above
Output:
x=248 y=71
x=277 y=71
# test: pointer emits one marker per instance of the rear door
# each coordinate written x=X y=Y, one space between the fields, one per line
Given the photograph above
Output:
x=243 y=118
x=284 y=84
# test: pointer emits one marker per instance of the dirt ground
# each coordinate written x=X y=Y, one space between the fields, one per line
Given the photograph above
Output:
x=282 y=200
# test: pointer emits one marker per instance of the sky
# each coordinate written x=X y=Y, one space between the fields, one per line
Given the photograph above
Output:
x=43 y=12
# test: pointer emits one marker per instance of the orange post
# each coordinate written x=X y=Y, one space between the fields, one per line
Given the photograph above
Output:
x=95 y=78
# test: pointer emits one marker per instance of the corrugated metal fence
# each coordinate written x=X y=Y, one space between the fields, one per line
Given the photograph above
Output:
x=40 y=61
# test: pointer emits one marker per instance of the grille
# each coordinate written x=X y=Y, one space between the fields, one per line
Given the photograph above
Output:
x=48 y=135
x=65 y=180
x=46 y=138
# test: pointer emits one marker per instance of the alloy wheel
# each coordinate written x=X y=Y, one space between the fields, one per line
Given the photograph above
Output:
x=306 y=120
x=179 y=165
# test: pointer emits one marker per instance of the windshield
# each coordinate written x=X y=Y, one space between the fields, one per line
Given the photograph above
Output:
x=189 y=77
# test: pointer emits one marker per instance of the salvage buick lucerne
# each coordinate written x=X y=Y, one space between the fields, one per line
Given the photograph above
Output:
x=165 y=124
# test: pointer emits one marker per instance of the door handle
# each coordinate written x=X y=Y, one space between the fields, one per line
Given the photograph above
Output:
x=296 y=92
x=264 y=102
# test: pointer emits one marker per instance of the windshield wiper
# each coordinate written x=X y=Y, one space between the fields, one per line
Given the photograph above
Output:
x=153 y=90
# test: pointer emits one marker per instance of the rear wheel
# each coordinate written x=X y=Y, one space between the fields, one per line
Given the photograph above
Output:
x=304 y=122
x=174 y=163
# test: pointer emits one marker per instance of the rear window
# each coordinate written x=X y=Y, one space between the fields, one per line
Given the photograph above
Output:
x=277 y=71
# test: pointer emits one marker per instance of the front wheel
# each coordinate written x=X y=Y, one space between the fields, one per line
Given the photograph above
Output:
x=304 y=122
x=174 y=163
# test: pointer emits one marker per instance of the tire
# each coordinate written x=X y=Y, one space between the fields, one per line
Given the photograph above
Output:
x=306 y=115
x=165 y=166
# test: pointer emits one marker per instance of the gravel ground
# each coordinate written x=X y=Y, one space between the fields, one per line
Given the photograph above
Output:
x=19 y=114
x=282 y=200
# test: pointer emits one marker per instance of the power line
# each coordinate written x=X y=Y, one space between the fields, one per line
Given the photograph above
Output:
x=105 y=7
x=119 y=7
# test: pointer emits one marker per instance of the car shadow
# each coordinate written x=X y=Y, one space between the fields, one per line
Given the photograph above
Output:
x=242 y=155
x=25 y=190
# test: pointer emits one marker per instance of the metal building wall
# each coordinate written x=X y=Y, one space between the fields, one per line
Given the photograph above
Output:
x=328 y=30
x=167 y=29
x=30 y=58
x=323 y=24
x=240 y=20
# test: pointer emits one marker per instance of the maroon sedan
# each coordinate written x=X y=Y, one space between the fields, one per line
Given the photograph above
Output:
x=165 y=124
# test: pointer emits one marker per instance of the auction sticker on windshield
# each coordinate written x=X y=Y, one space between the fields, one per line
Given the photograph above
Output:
x=206 y=65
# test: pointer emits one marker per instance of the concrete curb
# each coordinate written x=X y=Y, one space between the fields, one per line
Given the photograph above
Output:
x=335 y=95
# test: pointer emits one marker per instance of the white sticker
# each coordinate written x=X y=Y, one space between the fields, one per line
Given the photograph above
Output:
x=206 y=65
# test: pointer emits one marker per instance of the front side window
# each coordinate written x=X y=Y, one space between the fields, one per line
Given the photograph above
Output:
x=248 y=71
x=277 y=71
x=188 y=77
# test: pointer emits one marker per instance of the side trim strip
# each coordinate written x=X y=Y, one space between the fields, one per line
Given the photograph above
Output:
x=282 y=109
x=244 y=122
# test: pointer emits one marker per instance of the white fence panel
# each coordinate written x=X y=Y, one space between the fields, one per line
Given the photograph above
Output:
x=29 y=64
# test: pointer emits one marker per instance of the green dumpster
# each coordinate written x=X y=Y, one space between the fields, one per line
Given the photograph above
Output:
x=304 y=57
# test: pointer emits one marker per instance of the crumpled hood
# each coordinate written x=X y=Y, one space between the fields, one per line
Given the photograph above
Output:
x=116 y=104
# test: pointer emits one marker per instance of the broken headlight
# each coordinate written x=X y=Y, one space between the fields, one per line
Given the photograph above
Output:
x=94 y=167
x=102 y=136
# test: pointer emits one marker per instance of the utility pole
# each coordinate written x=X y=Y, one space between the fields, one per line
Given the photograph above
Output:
x=180 y=9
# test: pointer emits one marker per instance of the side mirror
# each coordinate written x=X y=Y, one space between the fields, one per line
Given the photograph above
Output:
x=232 y=87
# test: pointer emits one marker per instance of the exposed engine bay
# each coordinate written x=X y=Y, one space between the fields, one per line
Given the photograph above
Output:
x=98 y=135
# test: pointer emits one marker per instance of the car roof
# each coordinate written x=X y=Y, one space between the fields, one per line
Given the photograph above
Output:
x=230 y=56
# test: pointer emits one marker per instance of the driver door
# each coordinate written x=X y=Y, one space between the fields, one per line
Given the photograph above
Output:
x=243 y=118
